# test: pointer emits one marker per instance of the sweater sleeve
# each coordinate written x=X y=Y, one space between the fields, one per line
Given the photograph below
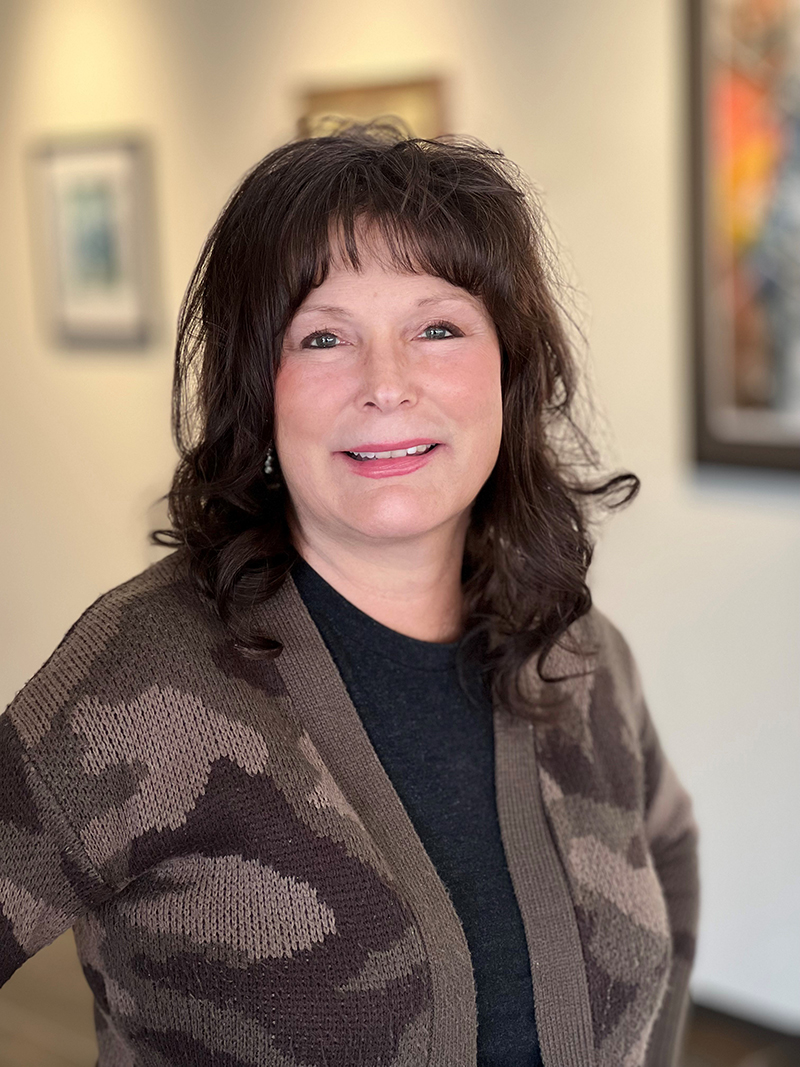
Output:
x=46 y=880
x=672 y=837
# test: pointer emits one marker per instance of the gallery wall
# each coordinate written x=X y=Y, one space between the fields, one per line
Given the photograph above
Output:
x=702 y=573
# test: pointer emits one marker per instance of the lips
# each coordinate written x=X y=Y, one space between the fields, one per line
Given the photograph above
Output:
x=392 y=466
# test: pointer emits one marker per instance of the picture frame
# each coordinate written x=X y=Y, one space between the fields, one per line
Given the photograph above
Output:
x=419 y=103
x=744 y=60
x=92 y=214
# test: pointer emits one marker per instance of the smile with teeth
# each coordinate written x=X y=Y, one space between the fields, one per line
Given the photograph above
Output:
x=415 y=450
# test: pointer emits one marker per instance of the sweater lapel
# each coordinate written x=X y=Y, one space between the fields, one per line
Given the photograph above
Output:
x=324 y=707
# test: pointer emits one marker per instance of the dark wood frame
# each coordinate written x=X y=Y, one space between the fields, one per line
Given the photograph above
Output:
x=710 y=448
x=432 y=85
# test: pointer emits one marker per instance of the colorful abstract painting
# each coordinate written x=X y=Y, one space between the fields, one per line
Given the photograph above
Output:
x=747 y=191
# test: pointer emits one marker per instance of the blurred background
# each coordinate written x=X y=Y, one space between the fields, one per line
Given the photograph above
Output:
x=591 y=99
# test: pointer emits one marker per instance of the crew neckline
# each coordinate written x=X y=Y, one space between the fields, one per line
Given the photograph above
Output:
x=345 y=618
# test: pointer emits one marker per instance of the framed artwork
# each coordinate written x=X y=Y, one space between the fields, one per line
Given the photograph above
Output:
x=92 y=214
x=419 y=104
x=745 y=106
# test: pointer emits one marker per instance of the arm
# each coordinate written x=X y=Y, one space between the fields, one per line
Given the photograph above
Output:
x=672 y=836
x=46 y=881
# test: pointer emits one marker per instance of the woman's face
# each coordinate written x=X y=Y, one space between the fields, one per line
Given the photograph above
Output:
x=377 y=361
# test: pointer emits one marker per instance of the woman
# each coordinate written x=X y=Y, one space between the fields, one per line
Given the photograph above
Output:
x=357 y=776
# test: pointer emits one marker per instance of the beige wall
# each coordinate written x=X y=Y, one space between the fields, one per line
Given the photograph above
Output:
x=702 y=574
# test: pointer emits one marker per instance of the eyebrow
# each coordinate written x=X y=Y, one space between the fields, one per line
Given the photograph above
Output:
x=333 y=309
x=326 y=309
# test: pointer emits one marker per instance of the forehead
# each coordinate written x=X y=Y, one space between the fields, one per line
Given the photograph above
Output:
x=379 y=270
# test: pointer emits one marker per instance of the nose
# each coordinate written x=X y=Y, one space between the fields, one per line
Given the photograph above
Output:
x=388 y=380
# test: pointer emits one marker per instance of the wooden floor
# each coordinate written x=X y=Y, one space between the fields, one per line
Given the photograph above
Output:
x=718 y=1040
x=46 y=1012
x=46 y=1021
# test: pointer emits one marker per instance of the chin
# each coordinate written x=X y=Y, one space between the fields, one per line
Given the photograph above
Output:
x=395 y=520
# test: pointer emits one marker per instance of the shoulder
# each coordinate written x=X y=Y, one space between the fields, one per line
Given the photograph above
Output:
x=591 y=745
x=614 y=663
x=618 y=706
x=154 y=634
x=596 y=694
x=140 y=617
x=144 y=696
x=161 y=603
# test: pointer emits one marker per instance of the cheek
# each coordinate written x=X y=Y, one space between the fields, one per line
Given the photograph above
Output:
x=474 y=395
x=298 y=421
x=301 y=403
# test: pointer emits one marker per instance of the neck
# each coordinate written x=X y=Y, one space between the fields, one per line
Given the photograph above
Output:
x=414 y=589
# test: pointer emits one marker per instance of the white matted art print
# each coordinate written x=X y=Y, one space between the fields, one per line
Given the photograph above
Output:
x=93 y=223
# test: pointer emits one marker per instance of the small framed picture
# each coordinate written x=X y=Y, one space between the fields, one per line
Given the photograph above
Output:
x=419 y=104
x=745 y=106
x=93 y=225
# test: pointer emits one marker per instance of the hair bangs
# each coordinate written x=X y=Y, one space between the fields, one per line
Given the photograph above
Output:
x=408 y=212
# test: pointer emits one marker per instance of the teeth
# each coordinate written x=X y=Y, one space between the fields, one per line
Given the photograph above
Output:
x=396 y=454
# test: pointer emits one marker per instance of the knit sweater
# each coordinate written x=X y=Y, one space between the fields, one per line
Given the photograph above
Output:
x=246 y=887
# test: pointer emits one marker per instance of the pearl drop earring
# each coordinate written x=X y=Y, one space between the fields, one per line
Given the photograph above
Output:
x=269 y=462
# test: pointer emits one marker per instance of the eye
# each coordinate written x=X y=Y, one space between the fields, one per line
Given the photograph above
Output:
x=440 y=331
x=321 y=339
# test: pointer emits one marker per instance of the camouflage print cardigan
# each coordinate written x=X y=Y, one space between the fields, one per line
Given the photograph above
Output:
x=246 y=888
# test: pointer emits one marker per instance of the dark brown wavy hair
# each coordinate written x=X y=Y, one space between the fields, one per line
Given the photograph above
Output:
x=449 y=207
